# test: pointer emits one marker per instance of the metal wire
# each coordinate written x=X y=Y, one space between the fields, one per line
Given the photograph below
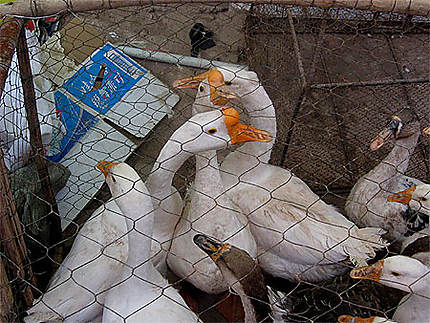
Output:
x=335 y=77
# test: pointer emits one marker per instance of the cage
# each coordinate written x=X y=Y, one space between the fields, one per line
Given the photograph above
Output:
x=87 y=84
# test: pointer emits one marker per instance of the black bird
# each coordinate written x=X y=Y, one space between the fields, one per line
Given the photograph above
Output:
x=201 y=39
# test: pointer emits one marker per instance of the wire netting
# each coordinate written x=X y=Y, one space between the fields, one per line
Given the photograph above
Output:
x=335 y=78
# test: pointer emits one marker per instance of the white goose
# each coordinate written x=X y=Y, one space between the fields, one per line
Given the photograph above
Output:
x=210 y=212
x=297 y=232
x=367 y=203
x=101 y=248
x=407 y=274
x=142 y=294
x=97 y=255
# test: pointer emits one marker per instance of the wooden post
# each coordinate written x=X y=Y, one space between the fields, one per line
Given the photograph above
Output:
x=6 y=297
x=38 y=152
x=39 y=8
x=11 y=234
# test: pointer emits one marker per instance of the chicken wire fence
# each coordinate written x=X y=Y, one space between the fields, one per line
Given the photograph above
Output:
x=335 y=77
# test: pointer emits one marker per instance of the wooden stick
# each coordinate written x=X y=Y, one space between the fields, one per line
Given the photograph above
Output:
x=38 y=152
x=11 y=234
x=9 y=32
x=6 y=297
x=38 y=8
x=369 y=83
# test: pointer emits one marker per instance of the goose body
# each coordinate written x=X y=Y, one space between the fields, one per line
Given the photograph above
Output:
x=367 y=203
x=75 y=292
x=98 y=252
x=142 y=293
x=407 y=274
x=210 y=130
x=297 y=233
x=210 y=212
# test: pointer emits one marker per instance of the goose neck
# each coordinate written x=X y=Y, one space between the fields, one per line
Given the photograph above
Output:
x=262 y=116
x=422 y=286
x=170 y=159
x=396 y=162
x=206 y=164
x=137 y=209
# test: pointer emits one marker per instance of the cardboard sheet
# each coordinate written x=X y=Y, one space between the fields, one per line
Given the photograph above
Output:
x=129 y=96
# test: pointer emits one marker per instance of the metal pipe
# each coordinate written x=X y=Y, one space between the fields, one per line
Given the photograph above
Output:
x=166 y=57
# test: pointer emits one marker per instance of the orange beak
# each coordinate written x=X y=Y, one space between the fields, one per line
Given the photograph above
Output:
x=427 y=131
x=241 y=133
x=104 y=166
x=372 y=272
x=219 y=95
x=393 y=128
x=403 y=197
x=353 y=319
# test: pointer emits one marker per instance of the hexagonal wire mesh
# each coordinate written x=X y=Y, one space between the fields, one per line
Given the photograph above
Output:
x=335 y=78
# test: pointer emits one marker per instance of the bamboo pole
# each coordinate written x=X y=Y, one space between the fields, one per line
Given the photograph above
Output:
x=38 y=8
x=38 y=152
x=11 y=234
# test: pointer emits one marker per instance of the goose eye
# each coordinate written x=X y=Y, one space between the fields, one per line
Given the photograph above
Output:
x=212 y=130
x=201 y=88
x=227 y=82
x=396 y=274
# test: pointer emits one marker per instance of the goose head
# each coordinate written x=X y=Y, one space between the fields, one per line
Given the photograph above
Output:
x=212 y=247
x=354 y=319
x=401 y=272
x=402 y=125
x=121 y=178
x=227 y=83
x=215 y=130
x=207 y=93
x=417 y=197
x=219 y=94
